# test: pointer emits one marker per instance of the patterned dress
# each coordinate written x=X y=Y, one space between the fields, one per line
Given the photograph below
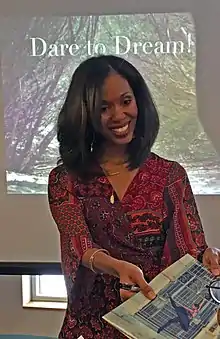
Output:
x=155 y=224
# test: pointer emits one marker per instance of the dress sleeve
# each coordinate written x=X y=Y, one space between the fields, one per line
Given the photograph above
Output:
x=67 y=213
x=193 y=220
x=185 y=233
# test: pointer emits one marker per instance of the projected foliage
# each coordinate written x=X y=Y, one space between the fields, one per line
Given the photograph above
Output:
x=35 y=86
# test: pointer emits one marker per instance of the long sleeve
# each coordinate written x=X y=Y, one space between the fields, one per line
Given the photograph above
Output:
x=193 y=219
x=67 y=213
x=185 y=233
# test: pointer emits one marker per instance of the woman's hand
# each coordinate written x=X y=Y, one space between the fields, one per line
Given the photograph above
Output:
x=132 y=275
x=211 y=260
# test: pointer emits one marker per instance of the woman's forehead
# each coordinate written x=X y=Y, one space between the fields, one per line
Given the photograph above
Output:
x=114 y=87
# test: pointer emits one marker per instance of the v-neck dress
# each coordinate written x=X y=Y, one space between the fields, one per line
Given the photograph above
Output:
x=155 y=224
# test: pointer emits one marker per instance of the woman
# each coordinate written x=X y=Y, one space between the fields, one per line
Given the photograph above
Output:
x=123 y=213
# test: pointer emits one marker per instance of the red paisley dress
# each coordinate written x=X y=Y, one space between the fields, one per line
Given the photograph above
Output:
x=156 y=223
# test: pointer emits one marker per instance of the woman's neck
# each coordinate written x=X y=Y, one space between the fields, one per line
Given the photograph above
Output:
x=114 y=153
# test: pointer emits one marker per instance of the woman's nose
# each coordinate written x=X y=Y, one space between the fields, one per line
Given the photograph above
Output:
x=117 y=113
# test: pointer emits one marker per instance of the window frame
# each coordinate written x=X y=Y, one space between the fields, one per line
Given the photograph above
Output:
x=35 y=292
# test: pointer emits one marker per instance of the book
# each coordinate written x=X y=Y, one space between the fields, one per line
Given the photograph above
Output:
x=183 y=308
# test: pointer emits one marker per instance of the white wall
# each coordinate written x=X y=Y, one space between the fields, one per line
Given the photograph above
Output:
x=15 y=319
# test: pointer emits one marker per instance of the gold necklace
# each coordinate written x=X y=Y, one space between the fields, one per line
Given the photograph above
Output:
x=111 y=174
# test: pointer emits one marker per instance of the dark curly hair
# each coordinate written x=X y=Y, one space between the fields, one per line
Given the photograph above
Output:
x=79 y=122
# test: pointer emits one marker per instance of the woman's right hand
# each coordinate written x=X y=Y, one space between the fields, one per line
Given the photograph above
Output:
x=133 y=275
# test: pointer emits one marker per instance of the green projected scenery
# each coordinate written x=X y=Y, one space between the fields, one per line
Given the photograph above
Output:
x=39 y=57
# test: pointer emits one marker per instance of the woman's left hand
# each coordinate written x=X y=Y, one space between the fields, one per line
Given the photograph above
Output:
x=211 y=260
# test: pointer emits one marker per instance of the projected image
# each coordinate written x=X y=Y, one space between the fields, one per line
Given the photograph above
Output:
x=39 y=57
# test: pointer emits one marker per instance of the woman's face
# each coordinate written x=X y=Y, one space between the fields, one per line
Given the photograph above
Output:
x=119 y=110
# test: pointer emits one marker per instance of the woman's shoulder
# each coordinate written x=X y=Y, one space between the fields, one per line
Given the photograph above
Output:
x=170 y=169
x=59 y=176
x=60 y=168
x=157 y=162
x=58 y=171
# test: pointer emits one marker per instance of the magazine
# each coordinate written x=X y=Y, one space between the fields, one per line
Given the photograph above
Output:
x=183 y=308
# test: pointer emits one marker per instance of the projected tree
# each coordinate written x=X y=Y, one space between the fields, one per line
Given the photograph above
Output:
x=35 y=87
x=171 y=78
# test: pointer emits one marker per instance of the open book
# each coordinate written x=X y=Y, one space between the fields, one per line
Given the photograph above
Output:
x=183 y=308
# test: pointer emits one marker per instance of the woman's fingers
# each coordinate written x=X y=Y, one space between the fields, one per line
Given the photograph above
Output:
x=128 y=290
x=145 y=288
x=148 y=292
x=211 y=260
x=132 y=281
x=125 y=295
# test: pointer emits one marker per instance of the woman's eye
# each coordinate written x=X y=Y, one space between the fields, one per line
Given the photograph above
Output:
x=104 y=109
x=127 y=101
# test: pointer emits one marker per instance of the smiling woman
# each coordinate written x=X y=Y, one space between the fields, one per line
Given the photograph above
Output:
x=33 y=90
x=114 y=97
x=119 y=110
x=123 y=213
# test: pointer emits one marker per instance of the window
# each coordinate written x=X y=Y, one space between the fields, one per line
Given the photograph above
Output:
x=44 y=291
x=48 y=288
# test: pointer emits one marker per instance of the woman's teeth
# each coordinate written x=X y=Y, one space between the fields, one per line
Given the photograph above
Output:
x=121 y=129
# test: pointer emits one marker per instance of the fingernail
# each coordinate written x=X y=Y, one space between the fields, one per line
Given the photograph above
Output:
x=151 y=295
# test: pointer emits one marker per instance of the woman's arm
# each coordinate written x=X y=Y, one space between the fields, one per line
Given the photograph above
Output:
x=77 y=246
x=67 y=214
x=193 y=218
x=185 y=234
x=102 y=262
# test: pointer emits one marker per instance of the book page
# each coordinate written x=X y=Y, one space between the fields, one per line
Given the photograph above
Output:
x=183 y=307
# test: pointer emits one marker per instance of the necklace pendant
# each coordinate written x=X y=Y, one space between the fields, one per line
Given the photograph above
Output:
x=112 y=199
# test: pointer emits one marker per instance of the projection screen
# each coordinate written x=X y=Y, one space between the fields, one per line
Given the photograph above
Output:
x=40 y=52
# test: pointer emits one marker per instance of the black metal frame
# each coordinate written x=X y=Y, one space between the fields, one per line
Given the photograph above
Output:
x=211 y=286
x=30 y=268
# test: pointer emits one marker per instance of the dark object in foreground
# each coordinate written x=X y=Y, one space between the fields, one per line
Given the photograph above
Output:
x=30 y=268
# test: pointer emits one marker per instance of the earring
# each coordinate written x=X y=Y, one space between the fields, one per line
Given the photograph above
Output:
x=92 y=143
